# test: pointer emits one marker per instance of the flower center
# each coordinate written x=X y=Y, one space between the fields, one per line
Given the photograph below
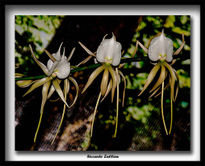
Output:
x=108 y=59
x=162 y=57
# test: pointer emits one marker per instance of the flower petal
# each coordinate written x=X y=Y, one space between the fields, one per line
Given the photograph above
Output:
x=104 y=82
x=59 y=91
x=77 y=89
x=24 y=83
x=41 y=65
x=44 y=98
x=109 y=87
x=37 y=84
x=114 y=82
x=150 y=77
x=94 y=74
x=161 y=78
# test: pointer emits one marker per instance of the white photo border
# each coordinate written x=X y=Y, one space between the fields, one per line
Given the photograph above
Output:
x=192 y=10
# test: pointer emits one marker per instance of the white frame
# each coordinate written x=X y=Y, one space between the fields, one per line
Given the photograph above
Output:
x=192 y=10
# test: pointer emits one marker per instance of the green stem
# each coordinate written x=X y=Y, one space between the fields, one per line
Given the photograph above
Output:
x=76 y=69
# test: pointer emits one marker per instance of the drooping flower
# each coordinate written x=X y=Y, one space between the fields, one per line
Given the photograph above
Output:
x=56 y=71
x=161 y=50
x=109 y=55
x=109 y=51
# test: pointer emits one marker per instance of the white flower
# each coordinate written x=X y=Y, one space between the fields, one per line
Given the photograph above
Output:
x=61 y=67
x=161 y=48
x=109 y=51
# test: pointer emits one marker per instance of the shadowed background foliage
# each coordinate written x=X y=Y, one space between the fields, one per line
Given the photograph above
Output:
x=140 y=125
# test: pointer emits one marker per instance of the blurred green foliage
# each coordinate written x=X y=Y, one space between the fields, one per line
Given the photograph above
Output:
x=35 y=30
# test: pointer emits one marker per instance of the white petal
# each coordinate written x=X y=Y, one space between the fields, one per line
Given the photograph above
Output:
x=154 y=49
x=103 y=50
x=117 y=54
x=169 y=50
x=63 y=69
x=160 y=45
x=109 y=51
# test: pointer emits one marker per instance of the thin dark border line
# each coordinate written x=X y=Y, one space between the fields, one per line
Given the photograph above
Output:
x=3 y=66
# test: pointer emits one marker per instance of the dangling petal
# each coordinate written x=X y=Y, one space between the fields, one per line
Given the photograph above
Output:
x=24 y=83
x=114 y=82
x=37 y=84
x=161 y=78
x=77 y=89
x=173 y=79
x=52 y=89
x=150 y=77
x=117 y=105
x=66 y=86
x=59 y=91
x=92 y=77
x=44 y=98
x=93 y=120
x=124 y=80
x=104 y=82
x=109 y=87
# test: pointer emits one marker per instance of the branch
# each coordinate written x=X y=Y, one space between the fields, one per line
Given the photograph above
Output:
x=76 y=69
